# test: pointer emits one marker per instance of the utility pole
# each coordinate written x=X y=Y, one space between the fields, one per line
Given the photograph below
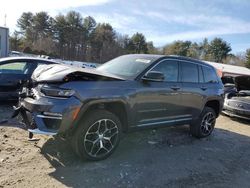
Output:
x=5 y=18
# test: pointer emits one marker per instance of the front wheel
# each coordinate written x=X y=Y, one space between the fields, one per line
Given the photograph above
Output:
x=204 y=125
x=97 y=136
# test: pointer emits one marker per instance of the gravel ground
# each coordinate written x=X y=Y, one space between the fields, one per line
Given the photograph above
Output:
x=167 y=157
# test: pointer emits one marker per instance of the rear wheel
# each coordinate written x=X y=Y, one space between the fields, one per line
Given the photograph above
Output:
x=204 y=126
x=97 y=136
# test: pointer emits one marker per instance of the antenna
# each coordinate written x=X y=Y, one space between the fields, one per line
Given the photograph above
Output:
x=5 y=18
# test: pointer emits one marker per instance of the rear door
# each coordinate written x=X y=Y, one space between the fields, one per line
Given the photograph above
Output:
x=210 y=83
x=192 y=88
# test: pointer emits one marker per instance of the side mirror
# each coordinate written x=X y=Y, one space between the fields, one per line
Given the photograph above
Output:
x=155 y=76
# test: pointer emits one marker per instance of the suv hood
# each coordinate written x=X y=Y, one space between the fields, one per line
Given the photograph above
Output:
x=66 y=73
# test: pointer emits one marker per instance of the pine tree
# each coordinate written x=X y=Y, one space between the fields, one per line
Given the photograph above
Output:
x=248 y=58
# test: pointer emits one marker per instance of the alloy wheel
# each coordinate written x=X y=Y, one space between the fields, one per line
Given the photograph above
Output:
x=101 y=138
x=207 y=123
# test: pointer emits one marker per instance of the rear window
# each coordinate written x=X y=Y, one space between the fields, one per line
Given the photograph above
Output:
x=210 y=75
x=189 y=72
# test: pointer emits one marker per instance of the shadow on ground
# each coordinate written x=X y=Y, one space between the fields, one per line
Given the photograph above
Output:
x=167 y=157
x=235 y=119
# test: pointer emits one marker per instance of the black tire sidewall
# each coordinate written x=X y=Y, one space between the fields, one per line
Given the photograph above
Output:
x=195 y=127
x=84 y=125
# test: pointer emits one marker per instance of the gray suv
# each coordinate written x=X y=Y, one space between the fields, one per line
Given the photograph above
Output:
x=95 y=106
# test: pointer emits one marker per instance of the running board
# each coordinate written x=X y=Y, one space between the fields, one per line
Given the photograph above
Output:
x=37 y=131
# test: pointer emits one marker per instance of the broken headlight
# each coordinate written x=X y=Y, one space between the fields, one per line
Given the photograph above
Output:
x=56 y=92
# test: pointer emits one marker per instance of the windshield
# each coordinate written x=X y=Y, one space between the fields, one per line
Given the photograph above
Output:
x=126 y=66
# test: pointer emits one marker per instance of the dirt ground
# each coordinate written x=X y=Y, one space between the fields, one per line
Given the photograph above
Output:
x=167 y=157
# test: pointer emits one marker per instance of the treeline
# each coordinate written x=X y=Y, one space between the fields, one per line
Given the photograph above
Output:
x=73 y=37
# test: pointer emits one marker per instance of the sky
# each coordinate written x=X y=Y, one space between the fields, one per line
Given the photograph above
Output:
x=161 y=21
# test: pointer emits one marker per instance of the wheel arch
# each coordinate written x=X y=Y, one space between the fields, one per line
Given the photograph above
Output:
x=215 y=105
x=117 y=107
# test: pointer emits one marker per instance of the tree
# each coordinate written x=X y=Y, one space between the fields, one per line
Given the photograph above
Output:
x=73 y=37
x=218 y=50
x=16 y=42
x=89 y=25
x=102 y=42
x=194 y=51
x=177 y=48
x=25 y=21
x=248 y=58
x=204 y=47
x=25 y=24
x=59 y=27
x=151 y=48
x=137 y=44
x=42 y=25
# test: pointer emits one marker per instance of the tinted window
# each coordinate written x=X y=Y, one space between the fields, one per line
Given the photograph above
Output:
x=210 y=75
x=14 y=68
x=169 y=69
x=189 y=72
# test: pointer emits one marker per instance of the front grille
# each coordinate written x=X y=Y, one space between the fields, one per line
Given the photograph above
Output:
x=239 y=105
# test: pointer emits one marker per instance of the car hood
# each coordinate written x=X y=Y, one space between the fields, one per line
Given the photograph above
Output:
x=65 y=73
x=242 y=82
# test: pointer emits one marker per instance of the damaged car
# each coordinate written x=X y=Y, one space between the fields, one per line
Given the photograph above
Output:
x=94 y=107
x=14 y=71
x=237 y=103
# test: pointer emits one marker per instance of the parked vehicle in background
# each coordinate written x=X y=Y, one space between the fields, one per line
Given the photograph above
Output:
x=14 y=71
x=229 y=85
x=95 y=106
x=237 y=103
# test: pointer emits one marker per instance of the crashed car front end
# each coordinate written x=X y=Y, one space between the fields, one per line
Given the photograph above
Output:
x=237 y=104
x=47 y=105
x=49 y=115
x=237 y=107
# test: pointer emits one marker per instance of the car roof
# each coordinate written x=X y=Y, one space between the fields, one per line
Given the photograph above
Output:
x=26 y=58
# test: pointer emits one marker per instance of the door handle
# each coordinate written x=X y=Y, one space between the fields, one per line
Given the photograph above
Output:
x=175 y=88
x=204 y=88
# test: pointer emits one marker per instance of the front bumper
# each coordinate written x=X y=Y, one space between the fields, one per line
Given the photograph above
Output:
x=236 y=112
x=49 y=116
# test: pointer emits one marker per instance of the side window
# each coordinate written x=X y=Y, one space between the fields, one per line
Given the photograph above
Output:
x=189 y=72
x=210 y=75
x=169 y=69
x=14 y=68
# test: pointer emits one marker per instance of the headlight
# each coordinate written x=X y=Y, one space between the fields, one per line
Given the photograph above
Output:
x=66 y=93
x=56 y=92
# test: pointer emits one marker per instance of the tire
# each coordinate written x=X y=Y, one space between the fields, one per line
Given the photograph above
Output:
x=204 y=125
x=97 y=136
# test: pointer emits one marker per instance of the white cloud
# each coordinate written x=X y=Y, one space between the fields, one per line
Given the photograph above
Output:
x=203 y=26
x=118 y=21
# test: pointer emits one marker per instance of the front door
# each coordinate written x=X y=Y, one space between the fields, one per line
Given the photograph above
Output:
x=159 y=102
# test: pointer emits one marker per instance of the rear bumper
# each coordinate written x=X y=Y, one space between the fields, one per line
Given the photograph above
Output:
x=50 y=116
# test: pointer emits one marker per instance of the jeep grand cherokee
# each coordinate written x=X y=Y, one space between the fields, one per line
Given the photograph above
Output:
x=95 y=106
